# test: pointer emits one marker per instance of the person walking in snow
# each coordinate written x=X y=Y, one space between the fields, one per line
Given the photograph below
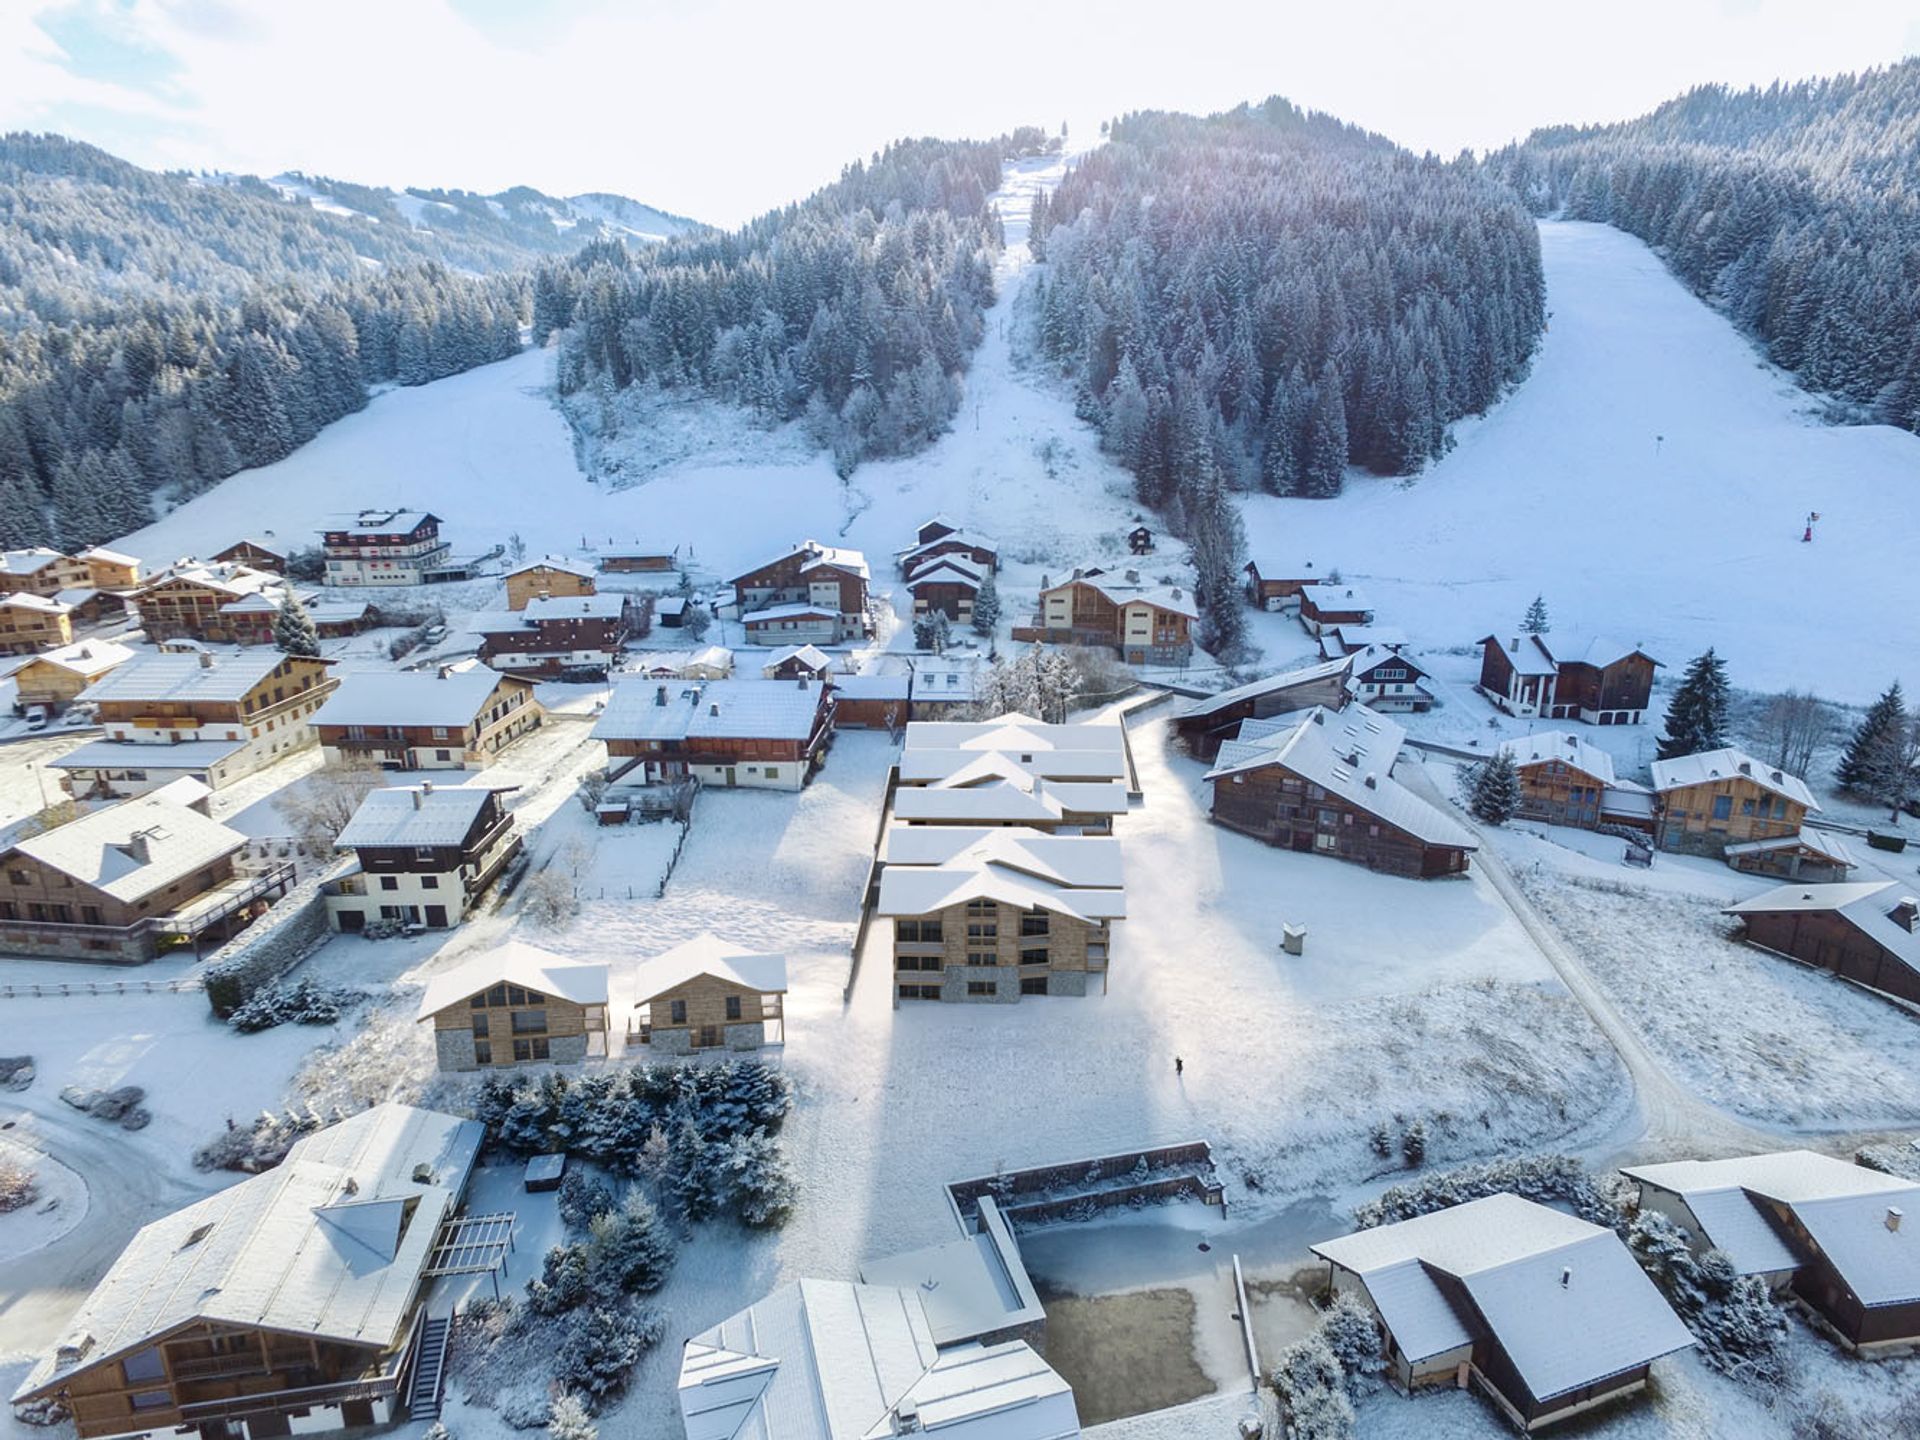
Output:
x=1179 y=1067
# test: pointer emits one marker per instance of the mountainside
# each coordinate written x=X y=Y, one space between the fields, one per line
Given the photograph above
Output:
x=1795 y=208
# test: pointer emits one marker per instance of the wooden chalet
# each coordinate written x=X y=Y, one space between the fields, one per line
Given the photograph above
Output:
x=637 y=560
x=255 y=555
x=1330 y=603
x=30 y=623
x=1323 y=784
x=516 y=1004
x=119 y=884
x=56 y=678
x=764 y=734
x=422 y=855
x=37 y=570
x=1718 y=799
x=1140 y=540
x=459 y=719
x=553 y=637
x=993 y=915
x=386 y=547
x=946 y=585
x=91 y=606
x=941 y=537
x=872 y=702
x=1546 y=1315
x=1867 y=932
x=1338 y=640
x=289 y=1302
x=1563 y=779
x=1598 y=681
x=215 y=604
x=800 y=623
x=1834 y=1236
x=547 y=578
x=797 y=662
x=213 y=718
x=1277 y=583
x=1205 y=724
x=1145 y=624
x=1388 y=680
x=706 y=994
x=110 y=569
x=810 y=576
x=338 y=619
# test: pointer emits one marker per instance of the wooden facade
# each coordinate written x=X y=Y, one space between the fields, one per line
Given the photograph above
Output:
x=109 y=569
x=43 y=572
x=29 y=624
x=191 y=605
x=637 y=562
x=1590 y=681
x=507 y=1024
x=1145 y=626
x=708 y=1012
x=1283 y=809
x=988 y=951
x=1829 y=940
x=1616 y=693
x=1559 y=792
x=45 y=680
x=1204 y=727
x=554 y=642
x=1327 y=604
x=944 y=591
x=1704 y=819
x=809 y=574
x=255 y=555
x=508 y=711
x=1274 y=587
x=543 y=579
x=433 y=885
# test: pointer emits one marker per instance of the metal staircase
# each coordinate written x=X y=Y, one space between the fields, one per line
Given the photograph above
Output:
x=430 y=1368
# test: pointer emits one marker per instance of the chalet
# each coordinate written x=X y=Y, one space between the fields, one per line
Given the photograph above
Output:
x=809 y=578
x=109 y=569
x=637 y=560
x=1723 y=798
x=1867 y=932
x=119 y=884
x=945 y=1344
x=946 y=586
x=871 y=702
x=1329 y=603
x=254 y=554
x=213 y=717
x=799 y=661
x=1277 y=584
x=768 y=734
x=1388 y=680
x=800 y=623
x=1339 y=640
x=205 y=602
x=516 y=1004
x=1204 y=724
x=944 y=685
x=423 y=855
x=941 y=537
x=1323 y=784
x=89 y=606
x=1836 y=1237
x=1146 y=624
x=427 y=720
x=671 y=611
x=1140 y=540
x=995 y=789
x=286 y=1303
x=385 y=547
x=986 y=914
x=715 y=662
x=548 y=578
x=1545 y=1314
x=554 y=636
x=706 y=994
x=338 y=619
x=56 y=677
x=31 y=623
x=37 y=570
x=1088 y=750
x=1600 y=682
x=1807 y=854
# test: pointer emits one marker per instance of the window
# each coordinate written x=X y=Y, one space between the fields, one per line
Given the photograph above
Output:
x=982 y=957
x=919 y=992
x=1722 y=807
x=529 y=1022
x=918 y=962
x=1746 y=807
x=143 y=1365
x=497 y=995
x=1033 y=923
x=1034 y=985
x=733 y=1007
x=524 y=1050
x=480 y=1030
x=482 y=1052
x=151 y=1400
x=982 y=987
x=917 y=932
x=678 y=1010
x=429 y=882
x=1034 y=957
x=389 y=882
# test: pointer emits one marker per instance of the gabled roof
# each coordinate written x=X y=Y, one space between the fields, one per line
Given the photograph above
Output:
x=1062 y=859
x=811 y=656
x=282 y=1250
x=1527 y=654
x=608 y=605
x=425 y=814
x=1711 y=766
x=1564 y=746
x=1359 y=637
x=818 y=557
x=945 y=570
x=711 y=709
x=412 y=697
x=1373 y=657
x=1336 y=598
x=971 y=539
x=1272 y=684
x=1843 y=1207
x=226 y=578
x=795 y=610
x=1564 y=1299
x=554 y=562
x=1282 y=567
x=29 y=561
x=936 y=748
x=104 y=754
x=708 y=954
x=40 y=604
x=384 y=522
x=106 y=556
x=1027 y=800
x=1007 y=864
x=1122 y=592
x=273 y=548
x=1824 y=844
x=871 y=687
x=104 y=848
x=1599 y=651
x=516 y=963
x=83 y=657
x=1868 y=906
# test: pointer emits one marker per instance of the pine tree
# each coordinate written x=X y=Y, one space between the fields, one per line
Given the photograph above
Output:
x=1697 y=717
x=569 y=1420
x=1878 y=732
x=631 y=1249
x=986 y=606
x=293 y=628
x=1324 y=462
x=1496 y=789
x=1536 y=622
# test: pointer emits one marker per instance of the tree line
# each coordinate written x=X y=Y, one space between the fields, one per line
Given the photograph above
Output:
x=1792 y=209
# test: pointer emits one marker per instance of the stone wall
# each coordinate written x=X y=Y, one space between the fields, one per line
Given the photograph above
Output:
x=291 y=930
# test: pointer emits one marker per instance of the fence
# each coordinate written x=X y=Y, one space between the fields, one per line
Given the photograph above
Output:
x=46 y=989
x=870 y=888
x=1079 y=1189
x=686 y=829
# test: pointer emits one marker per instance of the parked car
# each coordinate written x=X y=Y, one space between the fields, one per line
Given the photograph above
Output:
x=37 y=717
x=433 y=635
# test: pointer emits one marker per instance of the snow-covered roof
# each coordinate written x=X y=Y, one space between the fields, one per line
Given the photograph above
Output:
x=871 y=687
x=1626 y=798
x=134 y=849
x=227 y=677
x=29 y=561
x=710 y=709
x=385 y=522
x=795 y=610
x=1564 y=746
x=1369 y=658
x=81 y=594
x=810 y=656
x=1336 y=598
x=1254 y=689
x=106 y=556
x=39 y=604
x=1599 y=651
x=1122 y=592
x=554 y=562
x=1867 y=905
x=259 y=603
x=333 y=612
x=1527 y=654
x=1359 y=637
x=681 y=664
x=936 y=748
x=708 y=954
x=1351 y=754
x=1843 y=1207
x=411 y=697
x=1564 y=1299
x=424 y=814
x=829 y=1360
x=818 y=557
x=134 y=755
x=1284 y=567
x=1824 y=843
x=973 y=1286
x=516 y=963
x=269 y=547
x=331 y=1243
x=972 y=539
x=228 y=578
x=608 y=605
x=1712 y=766
x=1074 y=875
x=83 y=657
x=1013 y=798
x=946 y=570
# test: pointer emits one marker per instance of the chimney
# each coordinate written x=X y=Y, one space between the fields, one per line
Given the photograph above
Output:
x=445 y=671
x=1906 y=913
x=713 y=708
x=1372 y=782
x=660 y=695
x=1566 y=1278
x=801 y=681
x=417 y=793
x=904 y=1419
x=206 y=660
x=1746 y=767
x=1894 y=1216
x=139 y=848
x=426 y=787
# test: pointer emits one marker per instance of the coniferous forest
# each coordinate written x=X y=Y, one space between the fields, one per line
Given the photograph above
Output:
x=854 y=310
x=1795 y=209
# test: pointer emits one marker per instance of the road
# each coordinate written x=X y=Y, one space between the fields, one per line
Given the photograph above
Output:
x=26 y=785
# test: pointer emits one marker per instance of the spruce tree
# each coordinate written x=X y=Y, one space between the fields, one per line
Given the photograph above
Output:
x=986 y=606
x=1877 y=732
x=1697 y=717
x=1536 y=622
x=1496 y=789
x=293 y=628
x=1324 y=463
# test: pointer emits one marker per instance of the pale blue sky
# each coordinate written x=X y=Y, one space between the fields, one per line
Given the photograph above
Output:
x=722 y=109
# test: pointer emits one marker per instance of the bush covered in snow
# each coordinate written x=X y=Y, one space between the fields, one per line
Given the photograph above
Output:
x=1320 y=1377
x=16 y=1071
x=562 y=1284
x=437 y=1431
x=570 y=1420
x=17 y=1183
x=305 y=1002
x=1545 y=1178
x=1741 y=1331
x=600 y=1348
x=1902 y=1159
x=259 y=1146
x=581 y=1198
x=121 y=1105
x=631 y=1250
